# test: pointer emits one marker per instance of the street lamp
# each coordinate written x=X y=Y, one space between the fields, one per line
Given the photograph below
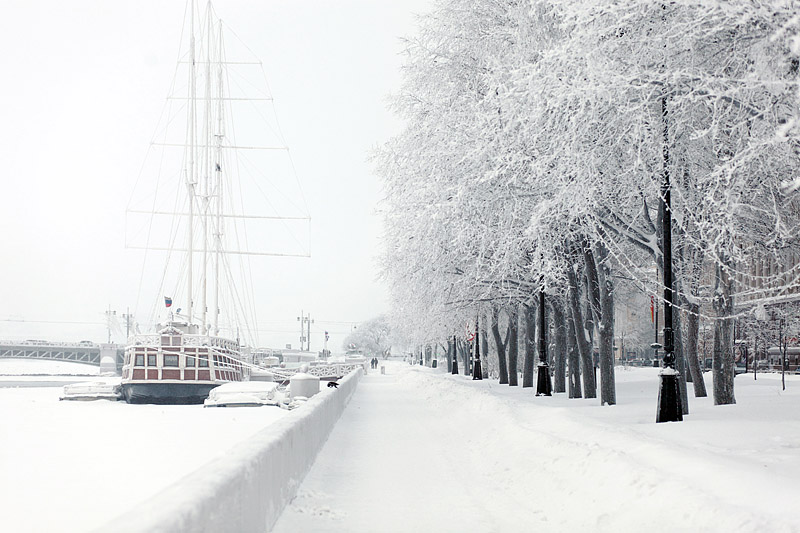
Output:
x=781 y=346
x=655 y=346
x=760 y=314
x=455 y=357
x=544 y=387
x=670 y=408
x=305 y=330
x=110 y=317
x=477 y=372
x=309 y=321
x=128 y=319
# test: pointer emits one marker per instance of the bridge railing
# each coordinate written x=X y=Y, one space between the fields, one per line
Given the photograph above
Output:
x=49 y=344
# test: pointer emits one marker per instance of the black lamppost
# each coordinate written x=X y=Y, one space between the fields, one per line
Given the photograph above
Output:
x=781 y=348
x=455 y=357
x=544 y=387
x=476 y=368
x=784 y=363
x=761 y=316
x=468 y=359
x=669 y=397
x=655 y=346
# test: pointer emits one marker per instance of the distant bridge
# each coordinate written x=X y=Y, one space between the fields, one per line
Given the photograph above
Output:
x=77 y=352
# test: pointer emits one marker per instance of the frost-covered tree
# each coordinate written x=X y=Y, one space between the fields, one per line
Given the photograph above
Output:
x=539 y=134
x=372 y=337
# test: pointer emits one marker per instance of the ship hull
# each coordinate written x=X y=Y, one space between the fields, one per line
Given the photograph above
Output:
x=167 y=393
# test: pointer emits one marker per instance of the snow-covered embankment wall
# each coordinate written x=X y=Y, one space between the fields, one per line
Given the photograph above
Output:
x=247 y=489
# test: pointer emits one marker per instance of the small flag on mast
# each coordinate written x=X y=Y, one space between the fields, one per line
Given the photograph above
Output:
x=167 y=301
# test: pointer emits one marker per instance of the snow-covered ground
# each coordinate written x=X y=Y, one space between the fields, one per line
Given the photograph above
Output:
x=420 y=450
x=74 y=466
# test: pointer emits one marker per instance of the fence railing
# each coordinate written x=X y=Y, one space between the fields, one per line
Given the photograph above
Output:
x=329 y=371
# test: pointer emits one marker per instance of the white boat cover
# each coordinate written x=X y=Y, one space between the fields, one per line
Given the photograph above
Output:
x=92 y=390
x=243 y=393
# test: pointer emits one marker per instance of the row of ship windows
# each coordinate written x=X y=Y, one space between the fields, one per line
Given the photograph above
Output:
x=172 y=360
x=177 y=340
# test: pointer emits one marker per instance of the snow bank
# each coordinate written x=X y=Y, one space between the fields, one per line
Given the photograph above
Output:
x=247 y=489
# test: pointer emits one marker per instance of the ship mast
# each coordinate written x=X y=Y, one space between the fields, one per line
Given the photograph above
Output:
x=207 y=173
x=190 y=179
x=218 y=183
x=207 y=192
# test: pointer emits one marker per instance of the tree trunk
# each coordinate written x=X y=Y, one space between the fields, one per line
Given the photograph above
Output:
x=484 y=346
x=685 y=340
x=590 y=324
x=692 y=257
x=592 y=284
x=465 y=351
x=449 y=356
x=574 y=360
x=581 y=337
x=512 y=344
x=680 y=360
x=608 y=391
x=559 y=357
x=723 y=336
x=501 y=347
x=677 y=324
x=530 y=345
x=692 y=334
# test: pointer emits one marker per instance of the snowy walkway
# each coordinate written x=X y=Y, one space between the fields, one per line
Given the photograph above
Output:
x=418 y=450
x=389 y=465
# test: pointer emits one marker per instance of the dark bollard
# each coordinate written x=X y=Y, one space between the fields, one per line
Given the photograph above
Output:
x=670 y=408
x=544 y=387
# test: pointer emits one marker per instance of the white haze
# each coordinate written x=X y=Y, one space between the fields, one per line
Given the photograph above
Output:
x=84 y=83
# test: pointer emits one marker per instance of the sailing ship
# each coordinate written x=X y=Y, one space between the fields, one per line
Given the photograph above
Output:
x=179 y=365
x=187 y=356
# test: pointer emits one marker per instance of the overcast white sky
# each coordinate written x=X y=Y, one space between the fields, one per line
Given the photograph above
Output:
x=83 y=85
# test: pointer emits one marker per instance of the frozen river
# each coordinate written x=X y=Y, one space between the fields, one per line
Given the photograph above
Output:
x=73 y=466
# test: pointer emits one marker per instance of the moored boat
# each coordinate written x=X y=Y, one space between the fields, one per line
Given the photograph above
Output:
x=187 y=355
x=178 y=365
